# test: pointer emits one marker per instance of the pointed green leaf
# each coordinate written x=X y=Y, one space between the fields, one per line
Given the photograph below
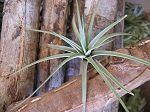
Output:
x=78 y=15
x=103 y=39
x=103 y=75
x=83 y=72
x=91 y=27
x=70 y=42
x=103 y=32
x=72 y=56
x=121 y=55
x=63 y=48
x=81 y=31
x=111 y=77
x=105 y=43
x=91 y=23
x=107 y=37
x=79 y=35
x=75 y=29
x=45 y=59
x=113 y=90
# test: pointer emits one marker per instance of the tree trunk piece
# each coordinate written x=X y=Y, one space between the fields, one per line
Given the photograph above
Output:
x=118 y=42
x=53 y=19
x=67 y=98
x=18 y=48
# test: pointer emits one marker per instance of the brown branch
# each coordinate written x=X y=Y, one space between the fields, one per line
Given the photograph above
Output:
x=68 y=97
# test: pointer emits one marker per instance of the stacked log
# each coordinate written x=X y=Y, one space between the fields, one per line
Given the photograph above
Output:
x=18 y=48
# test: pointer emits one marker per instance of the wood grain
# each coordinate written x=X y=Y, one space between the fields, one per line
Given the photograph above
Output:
x=18 y=48
x=53 y=19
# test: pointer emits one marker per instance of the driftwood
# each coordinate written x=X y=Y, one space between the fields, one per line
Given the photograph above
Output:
x=17 y=49
x=67 y=98
x=53 y=19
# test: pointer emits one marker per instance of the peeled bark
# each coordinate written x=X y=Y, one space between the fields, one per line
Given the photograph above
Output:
x=53 y=19
x=18 y=48
x=68 y=97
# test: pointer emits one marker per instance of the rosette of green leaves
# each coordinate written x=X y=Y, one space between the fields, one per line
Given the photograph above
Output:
x=87 y=49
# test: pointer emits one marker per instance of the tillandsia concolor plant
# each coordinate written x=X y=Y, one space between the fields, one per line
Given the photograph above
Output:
x=86 y=48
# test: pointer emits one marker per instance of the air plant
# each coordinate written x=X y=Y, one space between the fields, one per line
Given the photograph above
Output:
x=87 y=49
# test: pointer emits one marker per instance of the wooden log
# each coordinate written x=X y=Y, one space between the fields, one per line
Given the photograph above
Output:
x=18 y=48
x=53 y=19
x=67 y=98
